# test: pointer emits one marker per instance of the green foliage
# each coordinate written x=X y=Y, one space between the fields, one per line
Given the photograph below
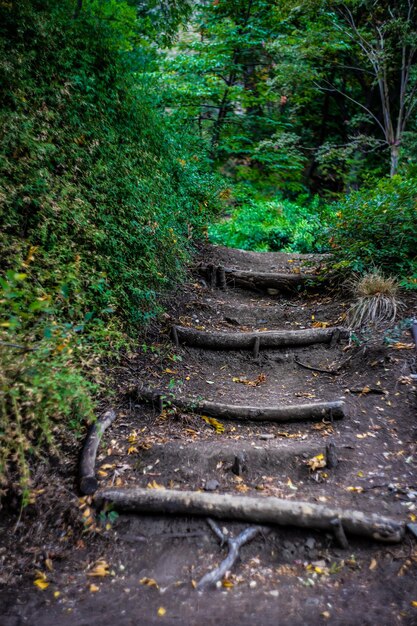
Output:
x=378 y=228
x=270 y=225
x=99 y=202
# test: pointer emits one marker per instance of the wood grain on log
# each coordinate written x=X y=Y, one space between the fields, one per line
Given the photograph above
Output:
x=280 y=413
x=246 y=340
x=88 y=480
x=259 y=510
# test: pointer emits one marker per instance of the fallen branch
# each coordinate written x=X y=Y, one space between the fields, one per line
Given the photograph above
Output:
x=246 y=341
x=313 y=411
x=333 y=372
x=88 y=480
x=234 y=544
x=257 y=510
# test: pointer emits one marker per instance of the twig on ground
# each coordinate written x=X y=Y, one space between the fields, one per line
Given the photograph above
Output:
x=234 y=544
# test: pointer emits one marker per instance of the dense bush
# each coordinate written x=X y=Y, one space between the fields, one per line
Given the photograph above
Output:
x=377 y=227
x=99 y=203
x=261 y=224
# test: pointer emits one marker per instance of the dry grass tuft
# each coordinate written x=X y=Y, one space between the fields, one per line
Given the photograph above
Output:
x=377 y=303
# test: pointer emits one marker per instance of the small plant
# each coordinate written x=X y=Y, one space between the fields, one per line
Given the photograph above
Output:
x=377 y=303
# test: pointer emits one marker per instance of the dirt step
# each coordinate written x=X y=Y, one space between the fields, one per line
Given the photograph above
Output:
x=202 y=459
x=271 y=282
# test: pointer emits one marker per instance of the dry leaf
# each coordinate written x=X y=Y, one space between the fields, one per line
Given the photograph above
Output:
x=227 y=584
x=100 y=569
x=402 y=346
x=41 y=581
x=149 y=582
x=218 y=426
x=93 y=588
x=316 y=462
x=259 y=380
x=355 y=489
x=132 y=450
x=373 y=565
x=154 y=485
x=161 y=611
x=320 y=324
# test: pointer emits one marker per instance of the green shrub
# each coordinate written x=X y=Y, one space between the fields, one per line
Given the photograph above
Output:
x=378 y=228
x=260 y=224
x=99 y=203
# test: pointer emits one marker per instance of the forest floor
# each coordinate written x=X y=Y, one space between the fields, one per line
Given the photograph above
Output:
x=143 y=569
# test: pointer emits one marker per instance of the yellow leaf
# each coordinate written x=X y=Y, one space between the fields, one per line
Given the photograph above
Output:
x=57 y=594
x=132 y=450
x=218 y=426
x=320 y=324
x=227 y=584
x=161 y=611
x=194 y=584
x=412 y=517
x=316 y=462
x=414 y=603
x=373 y=564
x=41 y=584
x=100 y=569
x=154 y=485
x=149 y=582
x=402 y=346
x=93 y=588
x=169 y=371
x=355 y=489
x=360 y=474
x=102 y=473
x=259 y=380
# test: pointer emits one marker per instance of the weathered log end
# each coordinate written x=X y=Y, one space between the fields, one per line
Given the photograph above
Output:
x=88 y=485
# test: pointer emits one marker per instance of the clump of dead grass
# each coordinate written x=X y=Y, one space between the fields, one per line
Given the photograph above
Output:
x=377 y=302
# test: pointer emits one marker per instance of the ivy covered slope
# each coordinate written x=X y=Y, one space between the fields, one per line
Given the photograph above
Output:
x=99 y=204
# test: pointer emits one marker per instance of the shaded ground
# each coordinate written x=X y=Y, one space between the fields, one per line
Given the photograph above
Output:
x=289 y=577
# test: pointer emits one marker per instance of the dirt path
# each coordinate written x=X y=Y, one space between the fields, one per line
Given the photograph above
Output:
x=290 y=576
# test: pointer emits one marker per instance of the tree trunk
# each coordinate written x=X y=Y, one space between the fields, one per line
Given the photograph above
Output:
x=395 y=157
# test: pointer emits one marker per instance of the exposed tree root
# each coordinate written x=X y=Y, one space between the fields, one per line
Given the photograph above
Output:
x=88 y=480
x=247 y=340
x=317 y=411
x=257 y=510
x=234 y=544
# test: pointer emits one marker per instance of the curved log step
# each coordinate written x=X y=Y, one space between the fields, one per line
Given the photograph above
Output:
x=248 y=340
x=280 y=281
x=88 y=480
x=290 y=413
x=270 y=510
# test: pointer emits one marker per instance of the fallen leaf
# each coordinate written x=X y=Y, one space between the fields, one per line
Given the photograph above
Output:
x=259 y=380
x=41 y=581
x=227 y=584
x=57 y=594
x=373 y=565
x=316 y=462
x=154 y=485
x=218 y=426
x=100 y=569
x=355 y=489
x=149 y=582
x=132 y=450
x=414 y=603
x=161 y=611
x=93 y=588
x=320 y=324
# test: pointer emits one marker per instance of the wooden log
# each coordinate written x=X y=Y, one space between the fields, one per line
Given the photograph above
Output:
x=221 y=277
x=261 y=280
x=259 y=510
x=246 y=340
x=279 y=413
x=88 y=480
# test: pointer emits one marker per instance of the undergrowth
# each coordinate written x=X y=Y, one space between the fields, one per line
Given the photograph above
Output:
x=99 y=203
x=263 y=225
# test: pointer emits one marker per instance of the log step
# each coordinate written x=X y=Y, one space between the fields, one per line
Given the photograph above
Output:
x=247 y=340
x=254 y=280
x=281 y=413
x=259 y=510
